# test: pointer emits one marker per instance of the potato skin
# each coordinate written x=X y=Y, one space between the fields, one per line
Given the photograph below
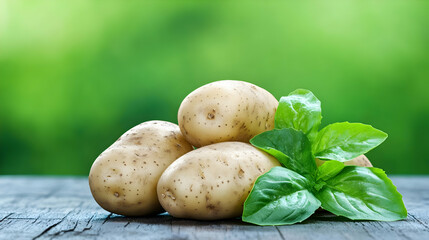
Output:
x=361 y=161
x=212 y=182
x=226 y=110
x=123 y=178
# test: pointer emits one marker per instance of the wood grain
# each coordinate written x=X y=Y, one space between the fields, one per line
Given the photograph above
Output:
x=62 y=207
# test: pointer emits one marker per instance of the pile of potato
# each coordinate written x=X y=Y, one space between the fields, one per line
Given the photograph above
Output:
x=154 y=167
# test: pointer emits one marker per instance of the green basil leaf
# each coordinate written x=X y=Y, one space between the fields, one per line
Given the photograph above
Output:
x=280 y=197
x=291 y=147
x=345 y=141
x=362 y=193
x=329 y=169
x=301 y=110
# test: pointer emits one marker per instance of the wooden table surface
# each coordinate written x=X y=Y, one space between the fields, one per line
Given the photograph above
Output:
x=62 y=207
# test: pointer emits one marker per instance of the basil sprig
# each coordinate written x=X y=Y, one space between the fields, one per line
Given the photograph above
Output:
x=291 y=193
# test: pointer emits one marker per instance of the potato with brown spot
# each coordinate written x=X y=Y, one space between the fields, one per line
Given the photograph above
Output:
x=226 y=110
x=123 y=178
x=212 y=182
x=361 y=161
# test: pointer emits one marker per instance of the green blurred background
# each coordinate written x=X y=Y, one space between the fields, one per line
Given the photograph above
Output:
x=75 y=75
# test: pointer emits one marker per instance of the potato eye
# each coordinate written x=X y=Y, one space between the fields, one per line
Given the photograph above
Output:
x=210 y=116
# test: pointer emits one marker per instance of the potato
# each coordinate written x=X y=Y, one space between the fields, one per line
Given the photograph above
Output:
x=212 y=182
x=361 y=161
x=226 y=110
x=123 y=178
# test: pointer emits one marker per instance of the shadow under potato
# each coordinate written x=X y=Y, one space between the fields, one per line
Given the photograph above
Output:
x=167 y=219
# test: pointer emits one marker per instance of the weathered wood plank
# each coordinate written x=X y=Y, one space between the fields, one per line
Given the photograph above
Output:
x=62 y=207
